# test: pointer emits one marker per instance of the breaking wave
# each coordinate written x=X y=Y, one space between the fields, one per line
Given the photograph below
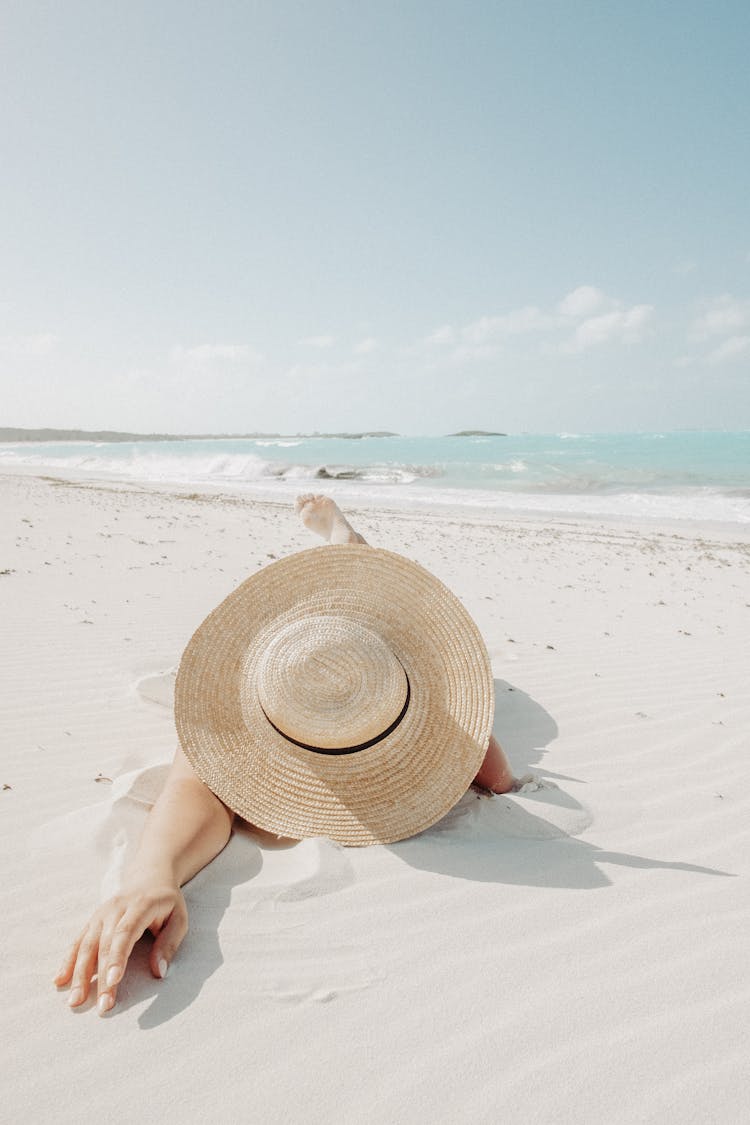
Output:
x=701 y=476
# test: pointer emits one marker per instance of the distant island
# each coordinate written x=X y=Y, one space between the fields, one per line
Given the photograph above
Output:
x=9 y=434
x=477 y=433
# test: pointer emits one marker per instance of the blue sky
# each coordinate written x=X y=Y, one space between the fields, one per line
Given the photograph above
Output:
x=410 y=216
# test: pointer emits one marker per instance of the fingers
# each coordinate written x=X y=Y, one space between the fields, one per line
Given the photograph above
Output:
x=115 y=947
x=106 y=943
x=169 y=940
x=85 y=962
x=114 y=952
x=65 y=972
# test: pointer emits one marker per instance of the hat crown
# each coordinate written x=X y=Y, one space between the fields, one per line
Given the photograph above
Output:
x=330 y=684
x=407 y=777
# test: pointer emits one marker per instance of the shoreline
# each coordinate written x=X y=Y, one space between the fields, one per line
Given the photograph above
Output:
x=19 y=436
x=416 y=508
x=647 y=478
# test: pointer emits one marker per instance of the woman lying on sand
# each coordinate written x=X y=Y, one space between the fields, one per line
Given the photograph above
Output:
x=189 y=825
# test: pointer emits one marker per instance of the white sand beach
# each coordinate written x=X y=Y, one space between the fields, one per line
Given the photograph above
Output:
x=574 y=952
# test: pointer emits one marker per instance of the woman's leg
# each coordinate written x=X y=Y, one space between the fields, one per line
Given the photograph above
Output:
x=495 y=773
x=322 y=515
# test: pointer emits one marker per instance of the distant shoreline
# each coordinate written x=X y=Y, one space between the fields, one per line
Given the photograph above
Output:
x=478 y=433
x=18 y=434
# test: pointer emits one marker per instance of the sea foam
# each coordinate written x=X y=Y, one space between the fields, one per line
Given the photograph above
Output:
x=639 y=476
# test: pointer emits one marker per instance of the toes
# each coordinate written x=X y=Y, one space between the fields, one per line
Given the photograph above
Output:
x=316 y=499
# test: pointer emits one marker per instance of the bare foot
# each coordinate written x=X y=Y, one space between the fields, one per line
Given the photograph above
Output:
x=323 y=516
x=495 y=773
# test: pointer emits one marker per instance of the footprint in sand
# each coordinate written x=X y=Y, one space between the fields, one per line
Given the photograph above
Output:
x=297 y=957
x=158 y=688
x=317 y=979
x=319 y=867
x=537 y=810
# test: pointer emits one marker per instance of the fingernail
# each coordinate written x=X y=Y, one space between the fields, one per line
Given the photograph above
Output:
x=104 y=1003
x=75 y=997
x=113 y=975
x=163 y=968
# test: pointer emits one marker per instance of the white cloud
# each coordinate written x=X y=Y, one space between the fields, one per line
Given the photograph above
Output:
x=729 y=349
x=624 y=325
x=603 y=319
x=364 y=347
x=205 y=355
x=481 y=338
x=322 y=341
x=722 y=325
x=468 y=353
x=586 y=317
x=41 y=344
x=584 y=301
x=593 y=317
x=722 y=316
x=517 y=322
x=442 y=336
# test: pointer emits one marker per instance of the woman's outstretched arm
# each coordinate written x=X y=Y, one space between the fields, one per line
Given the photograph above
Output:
x=185 y=829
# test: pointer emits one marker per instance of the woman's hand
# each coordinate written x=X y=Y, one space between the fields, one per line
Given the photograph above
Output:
x=107 y=939
x=185 y=829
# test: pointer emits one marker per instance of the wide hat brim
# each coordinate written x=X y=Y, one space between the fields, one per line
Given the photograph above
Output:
x=397 y=785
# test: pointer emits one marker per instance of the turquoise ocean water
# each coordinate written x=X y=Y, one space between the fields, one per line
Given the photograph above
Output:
x=690 y=475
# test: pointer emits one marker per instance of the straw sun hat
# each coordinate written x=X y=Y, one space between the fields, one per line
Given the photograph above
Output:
x=343 y=691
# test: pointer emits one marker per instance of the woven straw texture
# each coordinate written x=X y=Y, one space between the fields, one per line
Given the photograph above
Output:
x=330 y=648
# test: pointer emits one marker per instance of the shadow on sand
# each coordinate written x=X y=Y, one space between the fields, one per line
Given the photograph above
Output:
x=526 y=838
